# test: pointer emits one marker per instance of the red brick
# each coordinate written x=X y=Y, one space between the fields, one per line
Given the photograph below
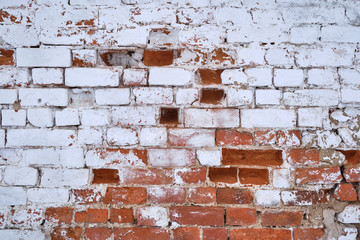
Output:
x=194 y=215
x=288 y=138
x=265 y=137
x=121 y=157
x=59 y=215
x=252 y=157
x=222 y=55
x=352 y=174
x=240 y=216
x=233 y=196
x=151 y=176
x=80 y=60
x=254 y=176
x=211 y=96
x=282 y=218
x=352 y=157
x=187 y=233
x=105 y=176
x=158 y=58
x=2 y=217
x=202 y=195
x=308 y=234
x=70 y=233
x=318 y=175
x=121 y=215
x=125 y=195
x=191 y=175
x=215 y=234
x=92 y=216
x=304 y=156
x=97 y=233
x=6 y=57
x=209 y=76
x=233 y=138
x=345 y=192
x=169 y=116
x=141 y=234
x=260 y=234
x=302 y=198
x=167 y=195
x=225 y=175
x=86 y=196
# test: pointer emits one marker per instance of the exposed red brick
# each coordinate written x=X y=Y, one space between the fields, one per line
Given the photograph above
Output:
x=265 y=137
x=136 y=233
x=352 y=174
x=240 y=216
x=202 y=195
x=69 y=233
x=105 y=176
x=215 y=234
x=345 y=192
x=260 y=234
x=169 y=116
x=6 y=57
x=59 y=215
x=288 y=138
x=225 y=175
x=221 y=55
x=194 y=215
x=82 y=60
x=158 y=58
x=86 y=196
x=167 y=195
x=92 y=216
x=318 y=175
x=352 y=157
x=233 y=196
x=121 y=215
x=191 y=175
x=308 y=234
x=211 y=96
x=233 y=138
x=97 y=233
x=302 y=198
x=282 y=218
x=209 y=76
x=151 y=176
x=187 y=233
x=252 y=157
x=125 y=195
x=254 y=176
x=304 y=156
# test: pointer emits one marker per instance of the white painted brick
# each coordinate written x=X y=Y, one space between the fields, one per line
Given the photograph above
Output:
x=13 y=118
x=26 y=217
x=113 y=17
x=170 y=76
x=10 y=156
x=135 y=77
x=14 y=76
x=305 y=34
x=200 y=36
x=44 y=97
x=153 y=95
x=311 y=97
x=67 y=117
x=95 y=2
x=64 y=177
x=350 y=96
x=40 y=137
x=47 y=156
x=310 y=117
x=153 y=137
x=278 y=56
x=8 y=96
x=95 y=117
x=313 y=15
x=61 y=35
x=340 y=34
x=281 y=178
x=12 y=196
x=153 y=15
x=14 y=234
x=212 y=118
x=251 y=56
x=10 y=35
x=91 y=77
x=2 y=138
x=209 y=157
x=48 y=195
x=266 y=118
x=259 y=76
x=44 y=76
x=288 y=77
x=20 y=176
x=41 y=117
x=234 y=76
x=84 y=57
x=132 y=36
x=267 y=97
x=72 y=157
x=267 y=16
x=90 y=136
x=138 y=115
x=267 y=197
x=258 y=33
x=171 y=157
x=239 y=97
x=112 y=96
x=6 y=4
x=192 y=137
x=349 y=76
x=122 y=136
x=322 y=77
x=43 y=57
x=351 y=214
x=186 y=96
x=157 y=215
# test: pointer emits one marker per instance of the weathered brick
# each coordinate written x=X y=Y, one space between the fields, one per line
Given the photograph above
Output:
x=345 y=192
x=318 y=175
x=57 y=97
x=215 y=234
x=92 y=216
x=151 y=176
x=191 y=137
x=209 y=76
x=308 y=233
x=152 y=216
x=59 y=215
x=252 y=157
x=136 y=233
x=64 y=177
x=105 y=176
x=43 y=57
x=91 y=77
x=211 y=96
x=167 y=195
x=352 y=174
x=12 y=196
x=86 y=196
x=233 y=196
x=125 y=195
x=97 y=233
x=190 y=175
x=202 y=195
x=260 y=234
x=303 y=197
x=121 y=215
x=45 y=76
x=303 y=156
x=211 y=118
x=105 y=157
x=171 y=157
x=203 y=216
x=169 y=76
x=72 y=233
x=153 y=95
x=112 y=96
x=139 y=115
x=271 y=118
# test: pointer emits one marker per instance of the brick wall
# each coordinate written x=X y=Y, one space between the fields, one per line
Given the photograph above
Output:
x=186 y=120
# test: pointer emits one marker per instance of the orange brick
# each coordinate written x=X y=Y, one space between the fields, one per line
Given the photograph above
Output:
x=59 y=215
x=158 y=58
x=122 y=215
x=345 y=192
x=240 y=216
x=209 y=76
x=136 y=233
x=191 y=175
x=105 y=176
x=252 y=157
x=215 y=234
x=97 y=233
x=233 y=138
x=308 y=234
x=282 y=218
x=125 y=195
x=70 y=233
x=260 y=234
x=304 y=156
x=86 y=196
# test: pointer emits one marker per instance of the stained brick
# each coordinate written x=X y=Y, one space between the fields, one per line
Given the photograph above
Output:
x=304 y=156
x=308 y=234
x=215 y=234
x=97 y=233
x=136 y=233
x=318 y=175
x=167 y=195
x=202 y=195
x=71 y=233
x=345 y=192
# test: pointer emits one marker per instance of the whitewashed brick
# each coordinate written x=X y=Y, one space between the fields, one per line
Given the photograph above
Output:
x=113 y=17
x=251 y=56
x=41 y=117
x=20 y=3
x=170 y=76
x=135 y=77
x=211 y=118
x=44 y=76
x=112 y=96
x=305 y=34
x=351 y=214
x=200 y=36
x=288 y=77
x=264 y=118
x=313 y=15
x=95 y=2
x=10 y=76
x=67 y=117
x=267 y=197
x=187 y=96
x=258 y=33
x=192 y=137
x=47 y=156
x=10 y=35
x=132 y=36
x=254 y=77
x=278 y=56
x=157 y=215
x=350 y=96
x=44 y=97
x=171 y=157
x=209 y=157
x=40 y=137
x=91 y=77
x=84 y=57
x=310 y=117
x=153 y=137
x=48 y=195
x=2 y=138
x=122 y=136
x=281 y=178
x=267 y=97
x=64 y=177
x=90 y=136
x=153 y=95
x=72 y=157
x=265 y=16
x=151 y=15
x=13 y=118
x=234 y=76
x=43 y=57
x=8 y=96
x=12 y=196
x=14 y=234
x=61 y=35
x=340 y=34
x=10 y=156
x=134 y=116
x=322 y=77
x=349 y=76
x=20 y=176
x=95 y=117
x=239 y=97
x=311 y=97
